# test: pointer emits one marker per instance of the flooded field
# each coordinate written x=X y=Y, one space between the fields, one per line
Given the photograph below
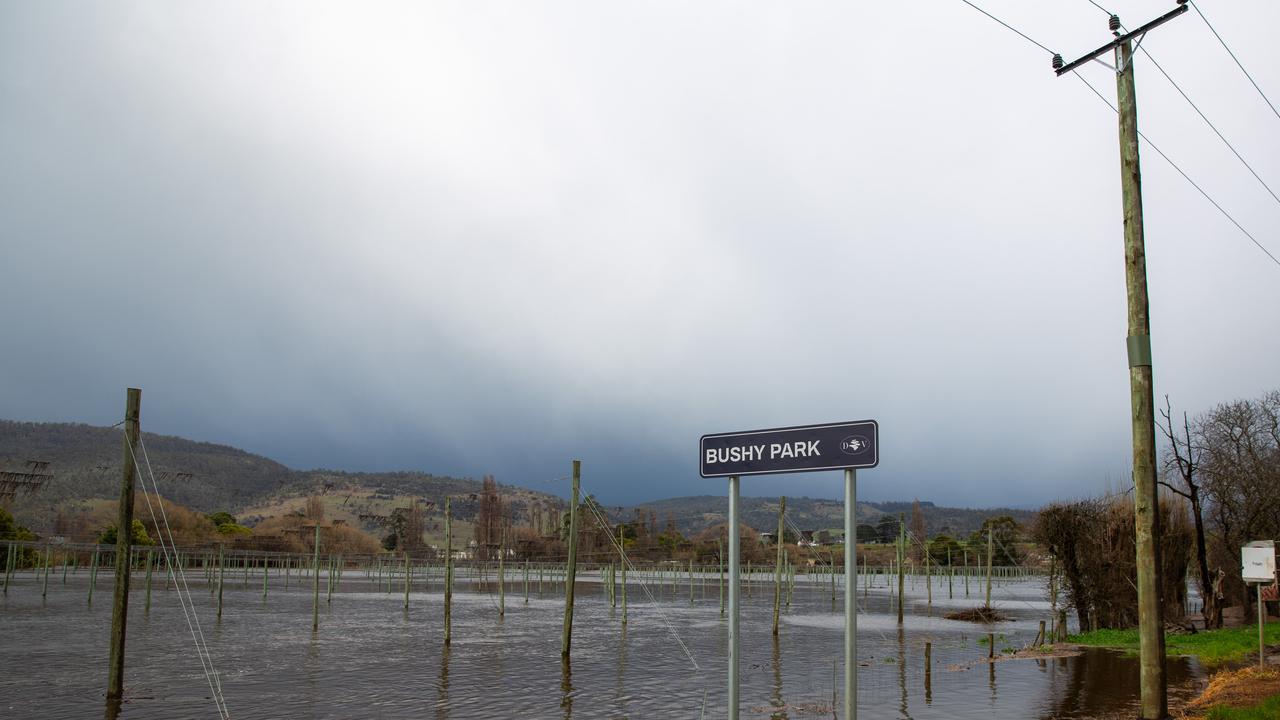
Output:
x=373 y=659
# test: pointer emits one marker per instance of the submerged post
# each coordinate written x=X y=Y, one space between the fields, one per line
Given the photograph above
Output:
x=622 y=561
x=147 y=607
x=990 y=552
x=720 y=560
x=902 y=556
x=850 y=594
x=734 y=562
x=448 y=573
x=124 y=537
x=571 y=572
x=777 y=567
x=315 y=583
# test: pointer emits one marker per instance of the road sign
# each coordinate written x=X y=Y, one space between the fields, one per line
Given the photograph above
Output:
x=1258 y=563
x=806 y=448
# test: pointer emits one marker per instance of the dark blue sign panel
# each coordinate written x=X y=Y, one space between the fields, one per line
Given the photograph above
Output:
x=808 y=448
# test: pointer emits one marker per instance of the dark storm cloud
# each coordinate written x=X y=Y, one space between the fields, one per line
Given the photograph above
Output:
x=492 y=237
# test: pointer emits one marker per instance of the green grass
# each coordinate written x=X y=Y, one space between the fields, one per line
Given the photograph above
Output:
x=1268 y=709
x=1211 y=646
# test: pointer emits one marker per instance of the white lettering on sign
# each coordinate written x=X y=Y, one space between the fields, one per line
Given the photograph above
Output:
x=801 y=448
x=744 y=453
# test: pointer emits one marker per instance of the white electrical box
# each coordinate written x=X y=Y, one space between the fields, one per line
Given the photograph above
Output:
x=1258 y=564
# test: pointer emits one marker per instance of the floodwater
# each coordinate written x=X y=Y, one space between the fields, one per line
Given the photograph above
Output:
x=373 y=659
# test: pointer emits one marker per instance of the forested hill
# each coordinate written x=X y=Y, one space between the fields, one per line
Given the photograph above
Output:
x=695 y=514
x=85 y=463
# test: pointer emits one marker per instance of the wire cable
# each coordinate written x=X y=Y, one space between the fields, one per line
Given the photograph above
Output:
x=1108 y=12
x=1145 y=139
x=1236 y=59
x=1007 y=25
x=216 y=682
x=180 y=580
x=1185 y=176
x=1211 y=125
x=644 y=586
x=1200 y=112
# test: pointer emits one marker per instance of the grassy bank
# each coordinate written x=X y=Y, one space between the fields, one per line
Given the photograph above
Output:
x=1245 y=694
x=1266 y=710
x=1211 y=646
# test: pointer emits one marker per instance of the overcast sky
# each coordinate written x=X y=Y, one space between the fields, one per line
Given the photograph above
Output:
x=471 y=237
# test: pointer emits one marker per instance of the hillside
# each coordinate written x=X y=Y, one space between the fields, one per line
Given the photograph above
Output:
x=692 y=515
x=85 y=463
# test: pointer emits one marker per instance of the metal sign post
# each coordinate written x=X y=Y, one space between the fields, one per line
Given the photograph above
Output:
x=806 y=448
x=850 y=594
x=734 y=551
x=1258 y=567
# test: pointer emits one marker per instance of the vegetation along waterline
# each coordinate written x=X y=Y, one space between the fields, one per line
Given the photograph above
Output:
x=1213 y=647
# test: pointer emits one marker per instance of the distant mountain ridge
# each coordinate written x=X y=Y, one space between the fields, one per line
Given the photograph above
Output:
x=85 y=463
x=694 y=514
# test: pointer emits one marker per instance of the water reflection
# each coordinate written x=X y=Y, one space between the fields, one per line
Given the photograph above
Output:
x=1101 y=681
x=442 y=686
x=928 y=676
x=566 y=688
x=272 y=665
x=620 y=692
x=902 y=671
x=780 y=708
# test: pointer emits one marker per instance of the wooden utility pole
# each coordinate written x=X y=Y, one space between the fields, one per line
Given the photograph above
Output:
x=777 y=569
x=124 y=538
x=571 y=573
x=1142 y=404
x=1151 y=649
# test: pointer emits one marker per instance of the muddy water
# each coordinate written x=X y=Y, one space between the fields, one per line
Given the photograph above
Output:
x=372 y=659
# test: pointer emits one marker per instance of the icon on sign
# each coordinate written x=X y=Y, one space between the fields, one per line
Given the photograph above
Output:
x=854 y=444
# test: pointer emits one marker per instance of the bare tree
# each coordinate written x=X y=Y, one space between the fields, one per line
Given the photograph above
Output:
x=918 y=530
x=491 y=520
x=1239 y=464
x=1185 y=461
x=315 y=508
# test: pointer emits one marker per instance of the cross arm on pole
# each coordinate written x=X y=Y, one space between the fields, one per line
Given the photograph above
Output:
x=1122 y=39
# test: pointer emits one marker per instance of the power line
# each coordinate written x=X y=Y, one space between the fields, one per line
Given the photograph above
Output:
x=1210 y=124
x=1185 y=176
x=1007 y=25
x=1145 y=139
x=1200 y=112
x=1091 y=2
x=1237 y=60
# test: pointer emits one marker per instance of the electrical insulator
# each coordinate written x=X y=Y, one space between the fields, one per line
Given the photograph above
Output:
x=1057 y=61
x=1114 y=23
